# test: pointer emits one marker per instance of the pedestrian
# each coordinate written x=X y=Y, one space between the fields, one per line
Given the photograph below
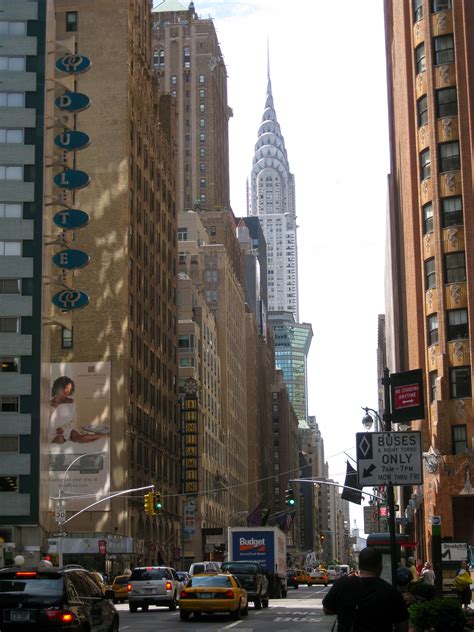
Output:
x=403 y=577
x=462 y=585
x=427 y=574
x=366 y=603
x=412 y=568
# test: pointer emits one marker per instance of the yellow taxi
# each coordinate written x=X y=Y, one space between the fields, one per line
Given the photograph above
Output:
x=318 y=576
x=120 y=588
x=301 y=576
x=213 y=592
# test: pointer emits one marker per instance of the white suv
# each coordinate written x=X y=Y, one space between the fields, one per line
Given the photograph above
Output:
x=153 y=585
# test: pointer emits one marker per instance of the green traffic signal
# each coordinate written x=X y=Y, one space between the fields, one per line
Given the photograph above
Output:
x=157 y=504
x=290 y=497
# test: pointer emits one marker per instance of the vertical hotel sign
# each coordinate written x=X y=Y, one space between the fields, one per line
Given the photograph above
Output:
x=68 y=180
x=190 y=437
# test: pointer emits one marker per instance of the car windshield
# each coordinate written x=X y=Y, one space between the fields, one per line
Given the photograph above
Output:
x=243 y=569
x=121 y=581
x=144 y=574
x=41 y=586
x=198 y=568
x=215 y=582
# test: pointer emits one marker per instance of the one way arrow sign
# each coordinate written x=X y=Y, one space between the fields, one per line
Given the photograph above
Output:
x=389 y=458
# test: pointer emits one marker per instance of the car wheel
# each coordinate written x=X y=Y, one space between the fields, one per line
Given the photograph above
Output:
x=115 y=626
x=145 y=607
x=183 y=615
x=235 y=614
x=132 y=607
x=257 y=604
x=245 y=611
x=172 y=605
x=265 y=602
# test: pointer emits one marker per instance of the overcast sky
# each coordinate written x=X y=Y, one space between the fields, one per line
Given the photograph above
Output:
x=329 y=87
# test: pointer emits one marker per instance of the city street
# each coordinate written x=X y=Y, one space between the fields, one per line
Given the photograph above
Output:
x=301 y=610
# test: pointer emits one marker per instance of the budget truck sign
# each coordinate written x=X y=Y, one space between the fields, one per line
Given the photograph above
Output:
x=389 y=458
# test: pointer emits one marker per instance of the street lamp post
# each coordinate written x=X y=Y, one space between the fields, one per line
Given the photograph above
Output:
x=385 y=426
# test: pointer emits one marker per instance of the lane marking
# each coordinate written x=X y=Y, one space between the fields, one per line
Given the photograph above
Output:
x=232 y=625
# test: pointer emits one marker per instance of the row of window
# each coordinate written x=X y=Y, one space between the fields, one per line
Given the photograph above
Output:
x=12 y=99
x=436 y=7
x=12 y=29
x=459 y=383
x=451 y=212
x=11 y=135
x=159 y=58
x=449 y=159
x=457 y=326
x=454 y=269
x=10 y=248
x=11 y=172
x=446 y=105
x=443 y=52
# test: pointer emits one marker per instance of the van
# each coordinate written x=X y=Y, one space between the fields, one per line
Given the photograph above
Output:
x=204 y=567
x=342 y=569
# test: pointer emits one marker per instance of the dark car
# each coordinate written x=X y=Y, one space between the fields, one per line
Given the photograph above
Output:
x=44 y=599
x=292 y=578
x=252 y=578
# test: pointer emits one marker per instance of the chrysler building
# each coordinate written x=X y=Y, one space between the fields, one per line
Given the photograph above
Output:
x=271 y=198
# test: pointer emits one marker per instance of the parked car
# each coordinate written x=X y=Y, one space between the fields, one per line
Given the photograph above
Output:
x=211 y=593
x=252 y=578
x=42 y=599
x=318 y=576
x=292 y=578
x=120 y=588
x=198 y=568
x=153 y=585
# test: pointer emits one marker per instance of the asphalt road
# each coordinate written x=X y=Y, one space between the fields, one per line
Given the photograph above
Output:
x=301 y=611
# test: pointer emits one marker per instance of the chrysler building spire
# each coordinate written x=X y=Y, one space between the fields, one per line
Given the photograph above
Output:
x=272 y=200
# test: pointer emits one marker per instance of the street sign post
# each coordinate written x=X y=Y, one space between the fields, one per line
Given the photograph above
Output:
x=371 y=519
x=389 y=458
x=60 y=514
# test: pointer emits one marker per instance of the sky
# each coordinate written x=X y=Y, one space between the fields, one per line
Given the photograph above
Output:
x=327 y=64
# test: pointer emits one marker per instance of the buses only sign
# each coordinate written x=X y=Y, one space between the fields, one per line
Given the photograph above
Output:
x=389 y=457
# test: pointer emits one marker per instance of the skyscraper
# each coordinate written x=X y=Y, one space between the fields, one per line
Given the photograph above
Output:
x=429 y=321
x=272 y=199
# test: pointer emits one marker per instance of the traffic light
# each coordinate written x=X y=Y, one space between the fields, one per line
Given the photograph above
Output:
x=157 y=504
x=290 y=497
x=322 y=537
x=148 y=503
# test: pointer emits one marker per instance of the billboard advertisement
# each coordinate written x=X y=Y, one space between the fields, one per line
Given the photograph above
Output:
x=79 y=432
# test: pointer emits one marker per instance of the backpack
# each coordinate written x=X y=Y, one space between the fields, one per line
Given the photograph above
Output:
x=403 y=576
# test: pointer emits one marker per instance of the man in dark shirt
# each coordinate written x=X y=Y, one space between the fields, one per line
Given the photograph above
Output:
x=367 y=603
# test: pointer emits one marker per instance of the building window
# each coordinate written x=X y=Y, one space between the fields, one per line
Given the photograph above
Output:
x=446 y=102
x=9 y=325
x=455 y=267
x=202 y=93
x=430 y=274
x=11 y=173
x=173 y=80
x=10 y=248
x=202 y=79
x=202 y=198
x=458 y=326
x=202 y=167
x=417 y=10
x=9 y=365
x=420 y=58
x=211 y=276
x=12 y=99
x=459 y=435
x=10 y=210
x=432 y=377
x=8 y=484
x=441 y=5
x=213 y=231
x=202 y=183
x=11 y=135
x=67 y=338
x=202 y=138
x=425 y=164
x=12 y=64
x=12 y=28
x=422 y=109
x=186 y=341
x=9 y=443
x=71 y=21
x=156 y=59
x=182 y=234
x=432 y=329
x=452 y=211
x=202 y=123
x=9 y=404
x=460 y=382
x=9 y=286
x=187 y=57
x=443 y=50
x=202 y=152
x=449 y=158
x=428 y=218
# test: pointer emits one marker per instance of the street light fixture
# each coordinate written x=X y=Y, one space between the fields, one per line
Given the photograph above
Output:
x=369 y=417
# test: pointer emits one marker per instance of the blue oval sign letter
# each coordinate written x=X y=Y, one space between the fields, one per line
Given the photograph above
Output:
x=70 y=299
x=73 y=64
x=71 y=179
x=71 y=259
x=71 y=140
x=71 y=218
x=72 y=102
